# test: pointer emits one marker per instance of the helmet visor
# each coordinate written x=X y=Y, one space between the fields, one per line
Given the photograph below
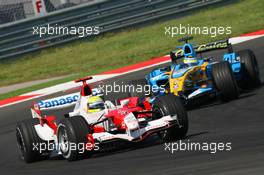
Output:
x=96 y=106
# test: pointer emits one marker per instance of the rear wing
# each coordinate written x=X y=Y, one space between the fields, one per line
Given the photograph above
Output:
x=59 y=102
x=53 y=103
x=63 y=101
x=223 y=44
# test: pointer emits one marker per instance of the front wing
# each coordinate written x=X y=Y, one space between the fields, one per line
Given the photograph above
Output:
x=140 y=133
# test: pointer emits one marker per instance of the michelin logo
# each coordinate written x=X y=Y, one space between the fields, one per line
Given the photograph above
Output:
x=59 y=101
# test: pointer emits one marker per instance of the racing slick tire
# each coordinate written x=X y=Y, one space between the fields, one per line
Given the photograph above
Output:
x=249 y=62
x=171 y=105
x=224 y=81
x=142 y=83
x=72 y=133
x=28 y=141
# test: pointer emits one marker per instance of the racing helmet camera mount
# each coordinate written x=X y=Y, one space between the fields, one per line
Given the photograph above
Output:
x=185 y=39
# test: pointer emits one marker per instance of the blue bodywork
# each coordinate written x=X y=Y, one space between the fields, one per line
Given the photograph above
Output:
x=160 y=76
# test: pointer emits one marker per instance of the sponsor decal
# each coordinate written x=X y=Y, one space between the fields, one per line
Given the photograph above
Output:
x=63 y=100
x=204 y=47
x=215 y=45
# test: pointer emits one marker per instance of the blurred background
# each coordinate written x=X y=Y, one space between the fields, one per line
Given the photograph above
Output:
x=13 y=10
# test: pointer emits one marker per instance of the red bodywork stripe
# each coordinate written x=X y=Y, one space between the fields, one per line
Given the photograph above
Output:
x=15 y=99
x=50 y=121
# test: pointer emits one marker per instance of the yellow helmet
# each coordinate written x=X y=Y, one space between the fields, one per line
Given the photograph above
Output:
x=190 y=60
x=95 y=104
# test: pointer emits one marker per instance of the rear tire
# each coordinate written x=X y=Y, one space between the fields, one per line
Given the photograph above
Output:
x=224 y=81
x=250 y=69
x=27 y=137
x=171 y=105
x=72 y=131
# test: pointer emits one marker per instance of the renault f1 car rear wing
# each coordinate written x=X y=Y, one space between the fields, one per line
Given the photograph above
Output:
x=223 y=44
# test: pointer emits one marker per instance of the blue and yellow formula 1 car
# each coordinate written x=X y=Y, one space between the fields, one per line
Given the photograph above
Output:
x=202 y=77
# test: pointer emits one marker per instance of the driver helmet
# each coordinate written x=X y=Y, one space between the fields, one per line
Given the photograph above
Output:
x=189 y=55
x=95 y=104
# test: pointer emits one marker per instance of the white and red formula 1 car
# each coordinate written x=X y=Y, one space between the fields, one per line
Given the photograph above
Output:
x=82 y=131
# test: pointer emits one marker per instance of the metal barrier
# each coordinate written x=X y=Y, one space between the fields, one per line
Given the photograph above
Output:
x=17 y=38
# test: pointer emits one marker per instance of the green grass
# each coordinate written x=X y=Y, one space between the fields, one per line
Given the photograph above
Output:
x=117 y=50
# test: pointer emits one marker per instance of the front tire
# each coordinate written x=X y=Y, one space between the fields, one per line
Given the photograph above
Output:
x=72 y=133
x=224 y=81
x=171 y=105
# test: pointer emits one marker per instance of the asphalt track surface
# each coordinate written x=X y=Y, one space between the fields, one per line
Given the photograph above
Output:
x=240 y=122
